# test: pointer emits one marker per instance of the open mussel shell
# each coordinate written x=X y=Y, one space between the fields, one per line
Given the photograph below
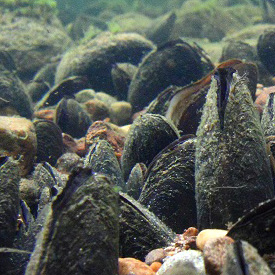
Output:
x=148 y=135
x=101 y=158
x=140 y=230
x=68 y=87
x=257 y=227
x=71 y=118
x=186 y=103
x=169 y=188
x=174 y=63
x=80 y=235
x=49 y=141
x=9 y=206
x=242 y=259
x=232 y=168
x=94 y=59
x=136 y=180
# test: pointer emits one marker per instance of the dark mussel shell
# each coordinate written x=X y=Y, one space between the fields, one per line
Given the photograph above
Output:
x=68 y=87
x=233 y=173
x=71 y=118
x=49 y=141
x=186 y=103
x=9 y=207
x=148 y=135
x=80 y=235
x=101 y=158
x=42 y=81
x=136 y=180
x=268 y=116
x=257 y=227
x=266 y=50
x=140 y=230
x=169 y=188
x=13 y=94
x=95 y=58
x=242 y=259
x=161 y=28
x=122 y=75
x=174 y=63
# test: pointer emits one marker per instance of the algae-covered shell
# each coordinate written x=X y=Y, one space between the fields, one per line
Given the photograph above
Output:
x=136 y=180
x=243 y=258
x=175 y=63
x=140 y=230
x=95 y=58
x=71 y=118
x=49 y=141
x=13 y=94
x=148 y=135
x=9 y=206
x=169 y=188
x=257 y=227
x=268 y=117
x=80 y=235
x=101 y=158
x=265 y=49
x=232 y=169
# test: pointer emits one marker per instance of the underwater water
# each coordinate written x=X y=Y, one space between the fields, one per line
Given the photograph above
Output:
x=137 y=137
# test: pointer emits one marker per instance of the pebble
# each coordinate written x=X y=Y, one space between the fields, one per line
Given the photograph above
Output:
x=214 y=254
x=207 y=234
x=156 y=255
x=131 y=266
x=18 y=139
x=155 y=266
x=189 y=262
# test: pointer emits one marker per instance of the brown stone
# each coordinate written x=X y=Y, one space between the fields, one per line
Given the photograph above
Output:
x=131 y=266
x=214 y=253
x=18 y=139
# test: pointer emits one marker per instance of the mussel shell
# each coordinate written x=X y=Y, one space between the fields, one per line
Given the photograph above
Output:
x=136 y=180
x=71 y=118
x=148 y=135
x=95 y=58
x=80 y=235
x=169 y=188
x=175 y=63
x=140 y=230
x=122 y=74
x=268 y=116
x=68 y=87
x=242 y=259
x=9 y=206
x=161 y=28
x=257 y=227
x=101 y=158
x=49 y=141
x=265 y=49
x=13 y=94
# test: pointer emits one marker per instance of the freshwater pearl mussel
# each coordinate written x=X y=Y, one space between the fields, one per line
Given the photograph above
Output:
x=195 y=157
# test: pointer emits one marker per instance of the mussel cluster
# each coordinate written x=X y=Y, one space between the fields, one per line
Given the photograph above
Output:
x=197 y=154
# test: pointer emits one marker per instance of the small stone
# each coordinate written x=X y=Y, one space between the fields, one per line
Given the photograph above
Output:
x=121 y=112
x=131 y=266
x=67 y=162
x=155 y=266
x=97 y=109
x=214 y=254
x=207 y=234
x=156 y=255
x=45 y=114
x=18 y=139
x=188 y=262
